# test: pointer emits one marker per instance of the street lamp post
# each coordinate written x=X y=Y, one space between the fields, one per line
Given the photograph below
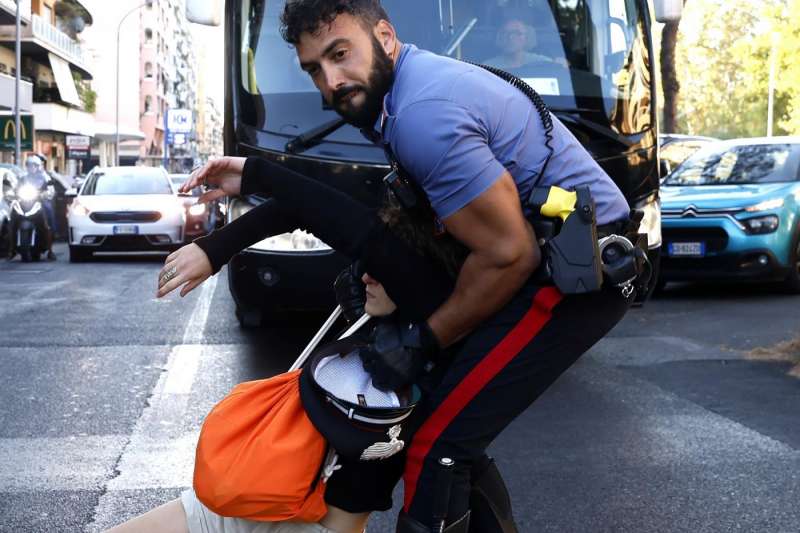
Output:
x=18 y=59
x=119 y=27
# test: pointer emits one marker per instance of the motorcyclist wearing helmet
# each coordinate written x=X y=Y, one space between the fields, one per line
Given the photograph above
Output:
x=37 y=177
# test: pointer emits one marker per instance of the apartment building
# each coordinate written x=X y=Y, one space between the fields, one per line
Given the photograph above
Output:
x=168 y=81
x=57 y=74
x=112 y=82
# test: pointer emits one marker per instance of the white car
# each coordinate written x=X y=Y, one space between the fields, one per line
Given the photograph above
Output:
x=125 y=209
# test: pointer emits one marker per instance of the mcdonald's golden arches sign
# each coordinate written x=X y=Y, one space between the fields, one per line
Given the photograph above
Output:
x=8 y=132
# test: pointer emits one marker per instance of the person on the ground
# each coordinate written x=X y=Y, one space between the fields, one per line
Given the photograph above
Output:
x=476 y=148
x=421 y=258
x=187 y=514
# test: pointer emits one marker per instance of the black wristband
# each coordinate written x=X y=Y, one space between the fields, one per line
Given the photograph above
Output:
x=430 y=344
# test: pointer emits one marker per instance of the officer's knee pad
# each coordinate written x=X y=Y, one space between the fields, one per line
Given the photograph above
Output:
x=489 y=501
x=407 y=524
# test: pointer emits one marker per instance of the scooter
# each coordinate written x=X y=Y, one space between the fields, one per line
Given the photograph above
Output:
x=28 y=223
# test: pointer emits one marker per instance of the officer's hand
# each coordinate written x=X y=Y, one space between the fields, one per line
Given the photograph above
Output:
x=225 y=174
x=350 y=292
x=398 y=353
x=188 y=266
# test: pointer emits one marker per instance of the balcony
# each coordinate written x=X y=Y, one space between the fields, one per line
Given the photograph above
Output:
x=60 y=118
x=7 y=93
x=40 y=38
x=8 y=11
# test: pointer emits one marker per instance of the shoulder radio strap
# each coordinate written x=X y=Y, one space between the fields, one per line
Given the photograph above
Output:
x=410 y=195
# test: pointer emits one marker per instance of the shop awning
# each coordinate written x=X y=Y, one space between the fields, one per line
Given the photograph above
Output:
x=66 y=85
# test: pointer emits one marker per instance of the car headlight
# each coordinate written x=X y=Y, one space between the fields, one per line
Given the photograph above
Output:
x=79 y=209
x=238 y=207
x=173 y=210
x=651 y=222
x=197 y=209
x=761 y=225
x=296 y=241
x=766 y=205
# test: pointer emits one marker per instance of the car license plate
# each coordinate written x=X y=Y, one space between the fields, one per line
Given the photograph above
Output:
x=687 y=249
x=126 y=230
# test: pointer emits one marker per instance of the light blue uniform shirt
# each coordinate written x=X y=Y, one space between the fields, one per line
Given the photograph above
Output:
x=456 y=128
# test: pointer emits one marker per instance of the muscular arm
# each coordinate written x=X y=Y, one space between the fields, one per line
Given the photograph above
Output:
x=503 y=254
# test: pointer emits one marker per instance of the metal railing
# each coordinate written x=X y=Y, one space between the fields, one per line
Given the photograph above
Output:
x=45 y=31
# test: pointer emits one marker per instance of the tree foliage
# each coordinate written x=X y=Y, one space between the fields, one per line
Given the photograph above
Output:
x=723 y=61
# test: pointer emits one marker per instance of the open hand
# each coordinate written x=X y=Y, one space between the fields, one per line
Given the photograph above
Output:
x=224 y=174
x=188 y=267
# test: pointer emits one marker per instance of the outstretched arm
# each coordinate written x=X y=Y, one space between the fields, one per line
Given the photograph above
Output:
x=418 y=286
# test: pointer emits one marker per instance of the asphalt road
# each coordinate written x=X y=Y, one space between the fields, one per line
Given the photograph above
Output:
x=666 y=425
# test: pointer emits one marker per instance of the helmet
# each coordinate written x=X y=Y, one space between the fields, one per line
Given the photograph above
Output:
x=358 y=420
x=33 y=163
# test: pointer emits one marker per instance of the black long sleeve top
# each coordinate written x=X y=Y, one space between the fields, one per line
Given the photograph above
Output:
x=412 y=280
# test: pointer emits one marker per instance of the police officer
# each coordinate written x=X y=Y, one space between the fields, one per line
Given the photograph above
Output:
x=475 y=147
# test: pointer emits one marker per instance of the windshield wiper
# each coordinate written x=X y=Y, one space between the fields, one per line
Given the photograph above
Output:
x=312 y=137
x=571 y=115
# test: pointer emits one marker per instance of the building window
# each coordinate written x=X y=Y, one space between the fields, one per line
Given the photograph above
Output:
x=148 y=36
x=148 y=70
x=148 y=104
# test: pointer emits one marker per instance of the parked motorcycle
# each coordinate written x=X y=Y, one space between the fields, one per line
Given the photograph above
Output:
x=28 y=223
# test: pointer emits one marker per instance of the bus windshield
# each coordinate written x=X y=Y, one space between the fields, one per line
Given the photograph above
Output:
x=580 y=55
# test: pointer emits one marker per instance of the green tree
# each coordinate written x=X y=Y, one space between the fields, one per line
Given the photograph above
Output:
x=723 y=55
x=669 y=78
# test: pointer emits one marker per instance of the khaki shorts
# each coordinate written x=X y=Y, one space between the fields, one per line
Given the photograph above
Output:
x=202 y=520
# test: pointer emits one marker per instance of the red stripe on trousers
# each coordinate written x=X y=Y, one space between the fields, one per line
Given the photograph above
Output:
x=491 y=365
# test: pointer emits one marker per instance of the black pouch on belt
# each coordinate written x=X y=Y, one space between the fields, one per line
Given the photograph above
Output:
x=571 y=258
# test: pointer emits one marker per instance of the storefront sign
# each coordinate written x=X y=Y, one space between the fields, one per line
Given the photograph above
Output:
x=78 y=146
x=8 y=132
x=179 y=120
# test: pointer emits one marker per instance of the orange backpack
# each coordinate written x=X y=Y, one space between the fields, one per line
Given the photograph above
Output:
x=259 y=457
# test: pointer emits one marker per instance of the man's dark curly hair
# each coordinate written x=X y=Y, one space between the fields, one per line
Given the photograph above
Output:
x=300 y=16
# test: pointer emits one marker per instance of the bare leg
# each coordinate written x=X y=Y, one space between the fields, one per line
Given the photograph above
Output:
x=344 y=522
x=169 y=518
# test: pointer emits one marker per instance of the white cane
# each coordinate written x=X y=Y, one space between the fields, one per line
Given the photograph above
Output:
x=323 y=330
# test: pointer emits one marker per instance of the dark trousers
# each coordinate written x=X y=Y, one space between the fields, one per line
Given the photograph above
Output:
x=497 y=373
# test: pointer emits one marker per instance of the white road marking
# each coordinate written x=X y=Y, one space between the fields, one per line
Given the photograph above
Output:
x=160 y=453
x=65 y=463
x=182 y=367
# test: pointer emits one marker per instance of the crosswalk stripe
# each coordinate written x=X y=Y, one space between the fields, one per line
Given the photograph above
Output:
x=160 y=453
x=63 y=463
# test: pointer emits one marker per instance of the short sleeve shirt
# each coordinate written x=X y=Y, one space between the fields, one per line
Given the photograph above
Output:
x=456 y=128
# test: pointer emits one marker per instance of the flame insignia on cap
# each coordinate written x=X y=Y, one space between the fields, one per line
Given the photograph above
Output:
x=384 y=450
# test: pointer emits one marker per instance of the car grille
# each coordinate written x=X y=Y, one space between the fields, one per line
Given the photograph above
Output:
x=716 y=239
x=125 y=216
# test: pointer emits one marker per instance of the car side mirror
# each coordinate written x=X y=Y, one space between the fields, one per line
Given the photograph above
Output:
x=72 y=192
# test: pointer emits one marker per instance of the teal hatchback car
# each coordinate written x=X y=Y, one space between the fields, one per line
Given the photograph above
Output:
x=730 y=211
